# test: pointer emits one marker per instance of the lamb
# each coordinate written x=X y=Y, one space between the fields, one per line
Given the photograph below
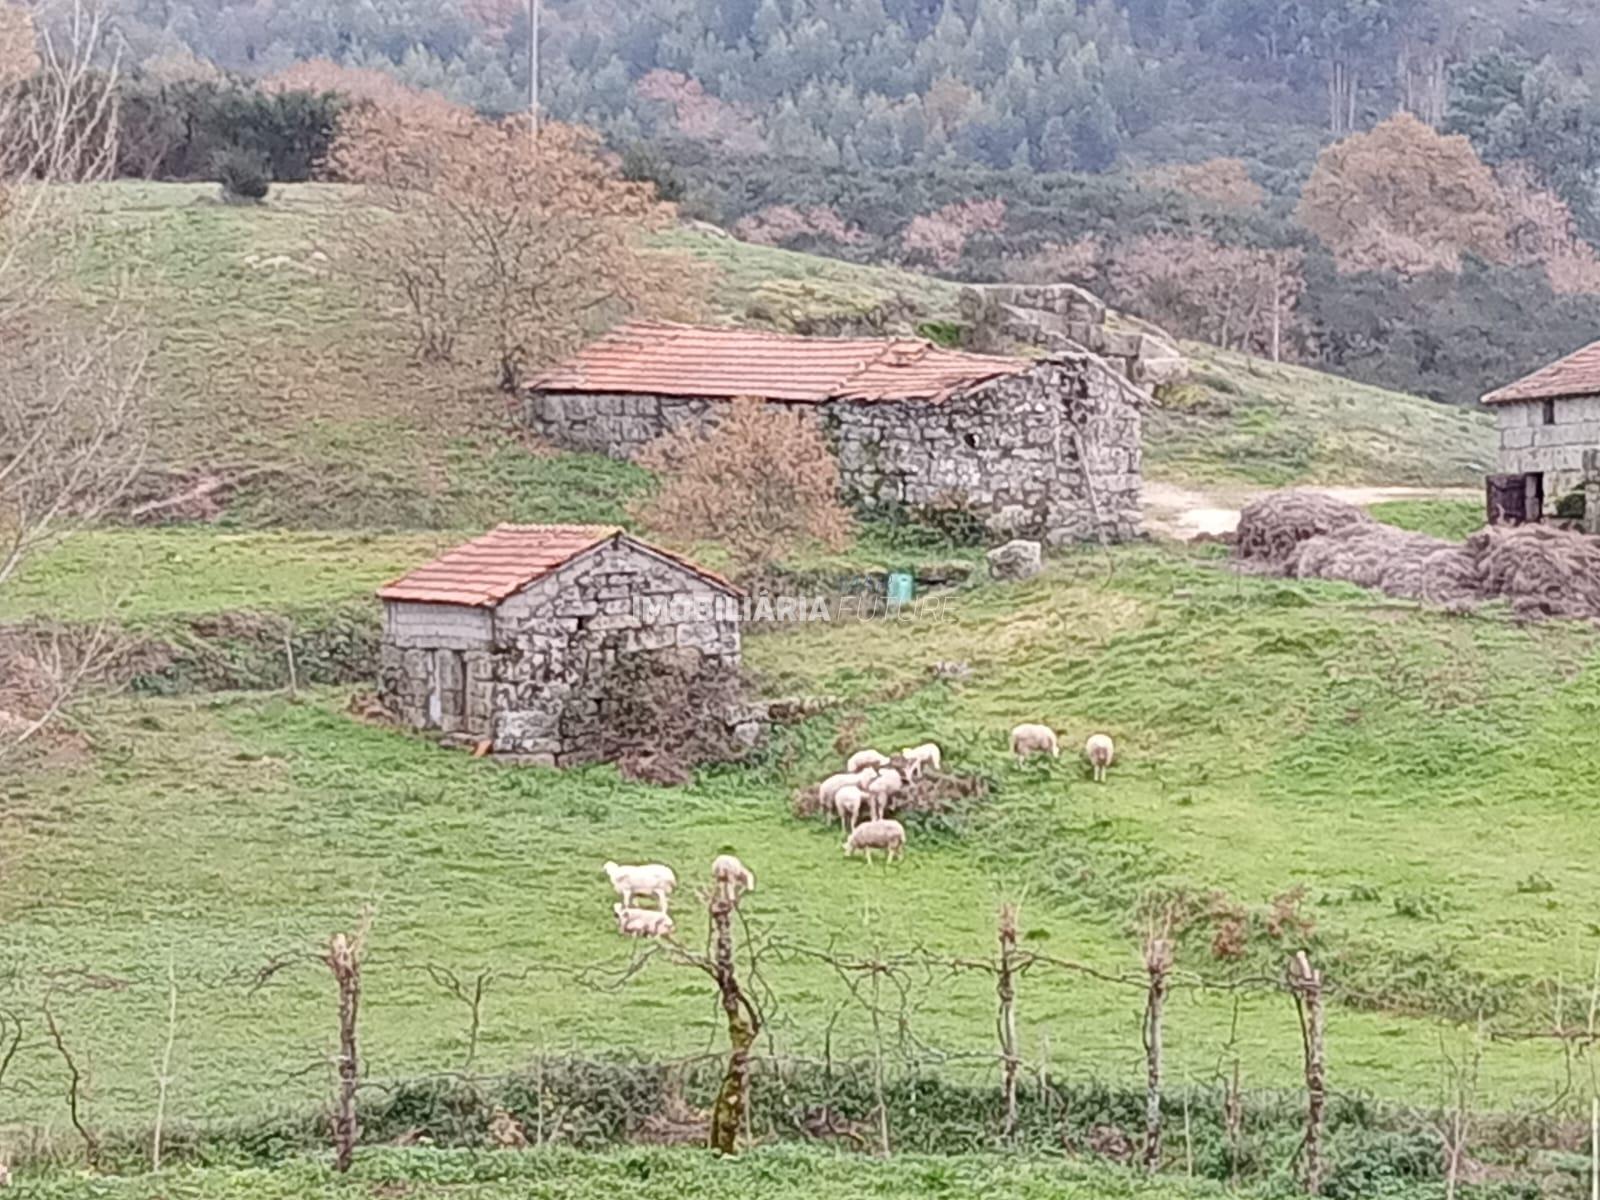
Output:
x=650 y=879
x=888 y=836
x=921 y=758
x=732 y=877
x=866 y=758
x=830 y=786
x=642 y=922
x=847 y=802
x=886 y=784
x=1034 y=739
x=1099 y=750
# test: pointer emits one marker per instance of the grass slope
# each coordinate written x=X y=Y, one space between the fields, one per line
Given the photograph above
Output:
x=1245 y=420
x=1430 y=780
x=264 y=359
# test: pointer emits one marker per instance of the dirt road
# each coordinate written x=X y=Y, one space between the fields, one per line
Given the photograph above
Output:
x=1182 y=512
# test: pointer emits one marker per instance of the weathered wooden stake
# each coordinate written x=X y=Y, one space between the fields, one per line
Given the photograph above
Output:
x=344 y=960
x=1157 y=962
x=1005 y=985
x=733 y=1098
x=1306 y=985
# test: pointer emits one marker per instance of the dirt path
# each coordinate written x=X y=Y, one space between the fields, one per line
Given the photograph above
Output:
x=1172 y=510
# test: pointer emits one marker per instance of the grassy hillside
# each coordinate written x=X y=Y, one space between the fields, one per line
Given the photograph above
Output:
x=268 y=370
x=1425 y=778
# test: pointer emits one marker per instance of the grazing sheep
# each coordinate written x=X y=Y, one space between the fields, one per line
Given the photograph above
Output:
x=866 y=758
x=1034 y=739
x=847 y=802
x=922 y=758
x=651 y=879
x=642 y=922
x=1099 y=750
x=831 y=785
x=888 y=836
x=732 y=877
x=888 y=782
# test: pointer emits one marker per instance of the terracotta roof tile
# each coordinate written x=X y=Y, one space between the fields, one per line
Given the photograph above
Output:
x=486 y=570
x=656 y=358
x=1575 y=375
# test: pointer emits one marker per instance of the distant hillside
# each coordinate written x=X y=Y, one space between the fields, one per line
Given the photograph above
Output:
x=268 y=372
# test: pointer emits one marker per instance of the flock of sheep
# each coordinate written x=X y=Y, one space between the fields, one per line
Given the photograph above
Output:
x=869 y=781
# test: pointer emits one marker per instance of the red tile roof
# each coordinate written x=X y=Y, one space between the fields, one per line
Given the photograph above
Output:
x=486 y=570
x=656 y=358
x=1575 y=375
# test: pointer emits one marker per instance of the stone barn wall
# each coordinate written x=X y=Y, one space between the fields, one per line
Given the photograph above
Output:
x=433 y=666
x=1005 y=449
x=556 y=640
x=1528 y=445
x=1052 y=453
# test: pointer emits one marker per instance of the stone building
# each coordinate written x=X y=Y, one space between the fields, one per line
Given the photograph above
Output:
x=1546 y=423
x=509 y=638
x=1046 y=447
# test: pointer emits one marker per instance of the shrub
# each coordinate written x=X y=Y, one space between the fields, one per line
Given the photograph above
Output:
x=243 y=176
x=761 y=481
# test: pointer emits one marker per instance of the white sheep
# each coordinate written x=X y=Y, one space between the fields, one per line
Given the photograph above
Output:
x=888 y=836
x=642 y=922
x=732 y=877
x=887 y=783
x=1099 y=750
x=650 y=879
x=827 y=789
x=922 y=758
x=847 y=802
x=1034 y=739
x=866 y=758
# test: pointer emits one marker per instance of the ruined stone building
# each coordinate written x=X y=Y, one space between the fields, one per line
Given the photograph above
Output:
x=1046 y=447
x=511 y=637
x=1546 y=422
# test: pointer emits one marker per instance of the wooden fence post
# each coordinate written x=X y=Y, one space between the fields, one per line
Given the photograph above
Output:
x=1157 y=962
x=344 y=960
x=1006 y=987
x=1306 y=985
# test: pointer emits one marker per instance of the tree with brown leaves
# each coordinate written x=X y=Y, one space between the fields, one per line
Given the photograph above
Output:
x=1224 y=182
x=1404 y=198
x=762 y=481
x=495 y=245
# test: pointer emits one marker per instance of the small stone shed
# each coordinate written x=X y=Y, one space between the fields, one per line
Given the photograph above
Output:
x=509 y=637
x=1546 y=422
x=1047 y=448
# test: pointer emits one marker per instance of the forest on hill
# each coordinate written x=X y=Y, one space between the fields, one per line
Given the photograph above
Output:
x=1402 y=191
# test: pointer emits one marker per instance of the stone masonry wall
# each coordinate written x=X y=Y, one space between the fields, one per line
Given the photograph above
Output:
x=556 y=641
x=433 y=666
x=1527 y=444
x=614 y=425
x=1054 y=453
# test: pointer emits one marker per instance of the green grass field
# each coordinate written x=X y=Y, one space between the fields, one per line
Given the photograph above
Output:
x=1427 y=779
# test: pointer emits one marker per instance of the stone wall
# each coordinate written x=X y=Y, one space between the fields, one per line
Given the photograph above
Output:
x=556 y=641
x=1054 y=453
x=433 y=666
x=1064 y=317
x=605 y=423
x=1528 y=445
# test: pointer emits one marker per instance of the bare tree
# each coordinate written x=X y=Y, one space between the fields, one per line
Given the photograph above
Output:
x=1305 y=984
x=71 y=432
x=344 y=961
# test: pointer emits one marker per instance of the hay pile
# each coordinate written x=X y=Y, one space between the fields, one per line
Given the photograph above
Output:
x=1539 y=571
x=1270 y=528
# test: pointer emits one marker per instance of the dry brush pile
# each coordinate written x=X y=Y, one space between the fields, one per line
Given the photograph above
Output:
x=1539 y=571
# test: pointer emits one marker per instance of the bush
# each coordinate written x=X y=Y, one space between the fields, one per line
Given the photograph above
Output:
x=243 y=176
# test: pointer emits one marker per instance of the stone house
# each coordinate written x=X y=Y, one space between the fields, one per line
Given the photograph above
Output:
x=1546 y=422
x=1046 y=447
x=509 y=638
